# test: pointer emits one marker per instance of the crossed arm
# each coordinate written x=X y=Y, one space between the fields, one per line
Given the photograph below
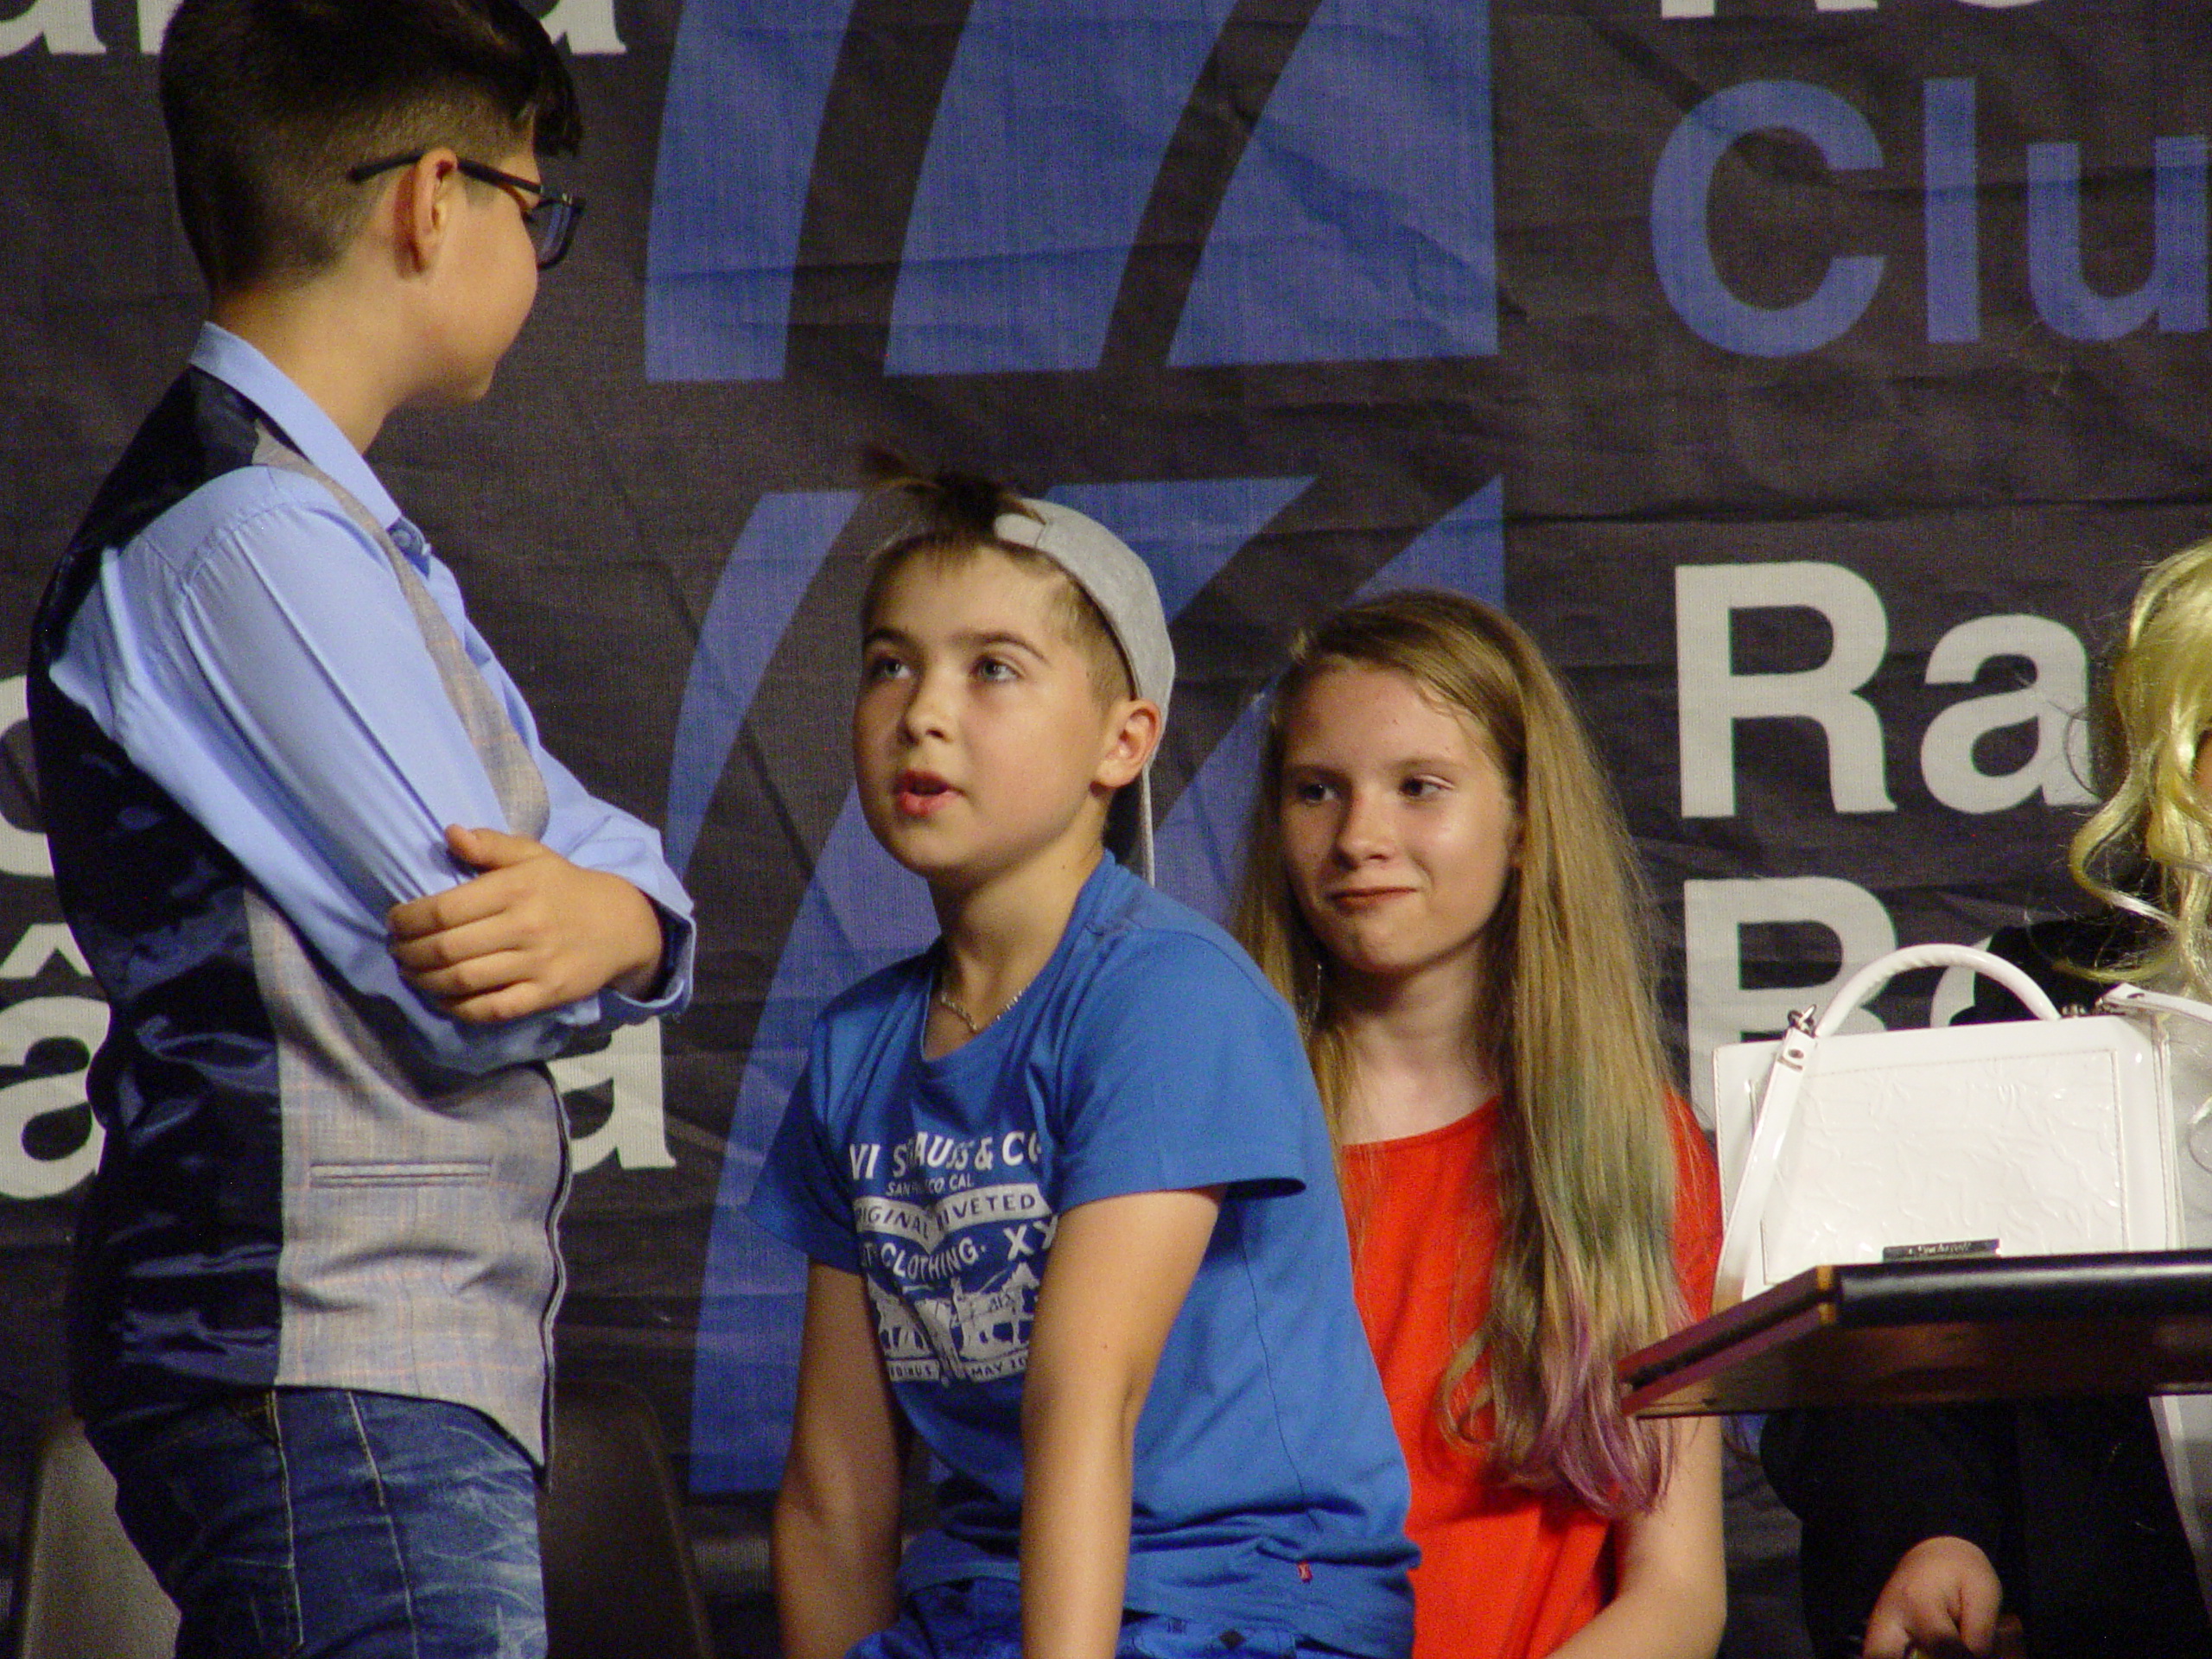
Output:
x=269 y=673
x=530 y=932
x=1115 y=1278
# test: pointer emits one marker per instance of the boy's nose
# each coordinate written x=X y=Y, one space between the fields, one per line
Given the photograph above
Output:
x=928 y=707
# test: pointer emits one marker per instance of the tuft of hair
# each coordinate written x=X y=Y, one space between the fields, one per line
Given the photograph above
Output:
x=956 y=517
x=2148 y=849
x=268 y=103
x=1584 y=1270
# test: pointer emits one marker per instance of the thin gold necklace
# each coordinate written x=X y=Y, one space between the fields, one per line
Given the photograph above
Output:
x=951 y=1004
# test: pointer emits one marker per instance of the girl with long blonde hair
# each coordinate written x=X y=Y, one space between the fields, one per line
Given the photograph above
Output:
x=1439 y=880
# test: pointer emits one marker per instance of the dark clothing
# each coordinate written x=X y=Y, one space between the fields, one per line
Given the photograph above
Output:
x=2068 y=1498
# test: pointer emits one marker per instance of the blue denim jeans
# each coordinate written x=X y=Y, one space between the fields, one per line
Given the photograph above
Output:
x=980 y=1618
x=323 y=1522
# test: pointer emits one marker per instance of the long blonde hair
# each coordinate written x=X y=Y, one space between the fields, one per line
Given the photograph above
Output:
x=1584 y=1163
x=2148 y=850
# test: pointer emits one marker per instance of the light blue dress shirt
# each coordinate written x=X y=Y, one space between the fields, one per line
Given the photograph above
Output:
x=254 y=655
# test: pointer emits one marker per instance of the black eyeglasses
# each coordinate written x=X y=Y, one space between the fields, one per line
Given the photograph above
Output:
x=550 y=216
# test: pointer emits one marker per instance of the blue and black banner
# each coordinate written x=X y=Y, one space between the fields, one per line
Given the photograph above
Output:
x=1813 y=377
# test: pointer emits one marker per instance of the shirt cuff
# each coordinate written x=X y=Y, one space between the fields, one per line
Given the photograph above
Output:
x=671 y=990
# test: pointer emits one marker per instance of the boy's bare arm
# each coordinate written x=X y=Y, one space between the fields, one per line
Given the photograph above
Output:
x=837 y=1522
x=533 y=932
x=1114 y=1281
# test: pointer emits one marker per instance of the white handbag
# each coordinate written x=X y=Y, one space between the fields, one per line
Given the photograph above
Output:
x=2047 y=1136
x=2040 y=1137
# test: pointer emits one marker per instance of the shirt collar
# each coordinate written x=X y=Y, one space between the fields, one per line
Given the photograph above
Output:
x=244 y=368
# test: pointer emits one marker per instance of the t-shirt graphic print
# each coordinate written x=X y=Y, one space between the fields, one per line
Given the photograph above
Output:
x=952 y=1244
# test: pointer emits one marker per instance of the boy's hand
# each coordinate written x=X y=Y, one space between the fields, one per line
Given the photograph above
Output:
x=1941 y=1598
x=533 y=932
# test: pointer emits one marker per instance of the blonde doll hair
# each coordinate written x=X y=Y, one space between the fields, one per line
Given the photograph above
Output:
x=2148 y=849
x=1585 y=1163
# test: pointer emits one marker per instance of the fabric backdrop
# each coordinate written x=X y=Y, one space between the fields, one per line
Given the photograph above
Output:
x=1813 y=379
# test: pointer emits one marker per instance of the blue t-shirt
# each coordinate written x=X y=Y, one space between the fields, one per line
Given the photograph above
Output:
x=1148 y=1056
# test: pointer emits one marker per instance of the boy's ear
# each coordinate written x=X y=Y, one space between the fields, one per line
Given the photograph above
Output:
x=422 y=205
x=1132 y=733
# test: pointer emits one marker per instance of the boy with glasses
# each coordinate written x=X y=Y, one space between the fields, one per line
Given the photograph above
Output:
x=316 y=1274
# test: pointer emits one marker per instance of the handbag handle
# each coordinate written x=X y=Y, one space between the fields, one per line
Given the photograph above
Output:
x=1785 y=1079
x=2134 y=999
x=1860 y=988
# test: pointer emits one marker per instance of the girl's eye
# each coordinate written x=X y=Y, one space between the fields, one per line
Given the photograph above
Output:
x=1419 y=789
x=994 y=668
x=1309 y=792
x=885 y=667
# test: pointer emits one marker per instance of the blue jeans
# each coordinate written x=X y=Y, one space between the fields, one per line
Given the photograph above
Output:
x=323 y=1522
x=980 y=1618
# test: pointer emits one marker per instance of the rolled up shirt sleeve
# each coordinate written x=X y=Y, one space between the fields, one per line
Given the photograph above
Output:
x=256 y=657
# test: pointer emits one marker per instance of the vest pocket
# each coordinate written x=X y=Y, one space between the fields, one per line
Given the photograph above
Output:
x=442 y=1171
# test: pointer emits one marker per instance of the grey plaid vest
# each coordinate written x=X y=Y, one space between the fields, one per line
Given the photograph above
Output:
x=419 y=1255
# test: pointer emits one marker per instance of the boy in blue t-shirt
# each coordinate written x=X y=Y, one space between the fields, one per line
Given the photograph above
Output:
x=1063 y=1178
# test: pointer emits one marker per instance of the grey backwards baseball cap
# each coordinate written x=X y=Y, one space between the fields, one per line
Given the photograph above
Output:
x=1103 y=565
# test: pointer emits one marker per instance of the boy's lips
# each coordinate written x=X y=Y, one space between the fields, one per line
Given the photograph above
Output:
x=918 y=794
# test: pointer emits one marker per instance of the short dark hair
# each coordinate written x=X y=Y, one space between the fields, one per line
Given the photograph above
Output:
x=269 y=102
x=958 y=513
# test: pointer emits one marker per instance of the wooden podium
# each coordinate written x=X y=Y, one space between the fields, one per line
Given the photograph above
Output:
x=1925 y=1332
